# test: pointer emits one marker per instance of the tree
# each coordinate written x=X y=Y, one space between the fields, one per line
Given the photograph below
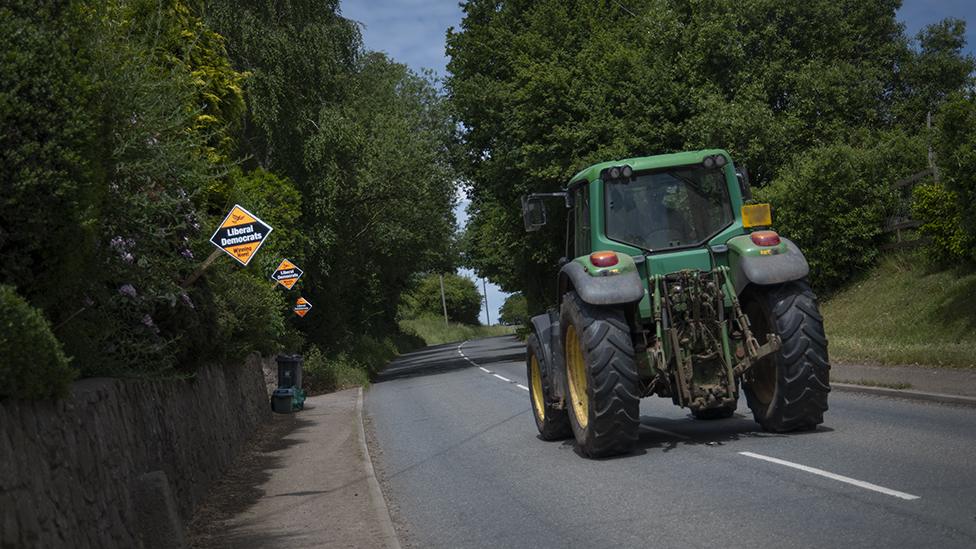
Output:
x=544 y=88
x=515 y=310
x=833 y=201
x=461 y=296
x=366 y=143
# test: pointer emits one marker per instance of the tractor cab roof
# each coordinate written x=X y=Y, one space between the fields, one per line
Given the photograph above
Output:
x=643 y=163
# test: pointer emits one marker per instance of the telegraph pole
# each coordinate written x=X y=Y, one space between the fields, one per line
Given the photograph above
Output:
x=484 y=287
x=444 y=301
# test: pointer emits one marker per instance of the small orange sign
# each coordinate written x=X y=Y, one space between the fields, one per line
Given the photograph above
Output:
x=286 y=274
x=302 y=307
x=241 y=234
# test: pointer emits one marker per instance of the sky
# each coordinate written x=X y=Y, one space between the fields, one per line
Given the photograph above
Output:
x=412 y=32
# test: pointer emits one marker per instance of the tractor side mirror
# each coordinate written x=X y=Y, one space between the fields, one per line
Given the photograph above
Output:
x=533 y=213
x=742 y=174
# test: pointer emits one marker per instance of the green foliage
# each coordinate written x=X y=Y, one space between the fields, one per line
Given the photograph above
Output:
x=366 y=143
x=432 y=330
x=545 y=88
x=353 y=365
x=515 y=310
x=33 y=365
x=955 y=145
x=938 y=68
x=249 y=314
x=833 y=201
x=938 y=209
x=460 y=294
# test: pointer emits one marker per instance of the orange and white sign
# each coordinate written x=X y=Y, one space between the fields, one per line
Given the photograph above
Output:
x=241 y=234
x=302 y=307
x=286 y=274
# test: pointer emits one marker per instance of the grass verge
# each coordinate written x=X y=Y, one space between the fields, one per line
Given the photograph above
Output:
x=905 y=312
x=434 y=332
x=873 y=383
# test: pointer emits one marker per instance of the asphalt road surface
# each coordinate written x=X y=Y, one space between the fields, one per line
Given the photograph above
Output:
x=463 y=467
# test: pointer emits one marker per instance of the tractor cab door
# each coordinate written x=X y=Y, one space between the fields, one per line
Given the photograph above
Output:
x=582 y=242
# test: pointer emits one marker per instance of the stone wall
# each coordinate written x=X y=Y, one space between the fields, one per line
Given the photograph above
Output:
x=69 y=468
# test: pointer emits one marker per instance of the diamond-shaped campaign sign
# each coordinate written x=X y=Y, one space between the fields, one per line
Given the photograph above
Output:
x=286 y=274
x=302 y=307
x=241 y=234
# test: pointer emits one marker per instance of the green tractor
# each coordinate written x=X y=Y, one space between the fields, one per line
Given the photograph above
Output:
x=678 y=289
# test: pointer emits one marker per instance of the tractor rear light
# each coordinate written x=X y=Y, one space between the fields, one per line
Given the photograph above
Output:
x=765 y=238
x=604 y=259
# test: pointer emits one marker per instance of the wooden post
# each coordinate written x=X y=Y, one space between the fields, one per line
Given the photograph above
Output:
x=199 y=271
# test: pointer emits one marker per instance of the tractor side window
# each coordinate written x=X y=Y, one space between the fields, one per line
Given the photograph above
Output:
x=582 y=221
x=668 y=209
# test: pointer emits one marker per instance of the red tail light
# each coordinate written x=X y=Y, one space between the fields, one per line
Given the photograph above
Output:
x=603 y=259
x=765 y=238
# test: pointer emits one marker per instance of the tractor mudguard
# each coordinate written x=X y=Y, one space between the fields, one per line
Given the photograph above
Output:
x=546 y=330
x=543 y=327
x=603 y=286
x=765 y=265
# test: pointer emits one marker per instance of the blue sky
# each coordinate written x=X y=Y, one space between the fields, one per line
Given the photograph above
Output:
x=412 y=32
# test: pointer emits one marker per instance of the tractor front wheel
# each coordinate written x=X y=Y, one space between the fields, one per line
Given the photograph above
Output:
x=787 y=390
x=601 y=377
x=552 y=422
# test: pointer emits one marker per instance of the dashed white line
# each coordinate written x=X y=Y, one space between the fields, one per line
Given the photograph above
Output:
x=833 y=476
x=486 y=370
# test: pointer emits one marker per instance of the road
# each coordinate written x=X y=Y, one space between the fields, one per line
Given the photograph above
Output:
x=458 y=453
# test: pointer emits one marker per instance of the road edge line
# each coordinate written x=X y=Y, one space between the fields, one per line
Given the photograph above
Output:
x=906 y=394
x=834 y=476
x=375 y=492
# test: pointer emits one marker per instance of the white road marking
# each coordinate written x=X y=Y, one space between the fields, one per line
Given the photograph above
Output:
x=833 y=476
x=487 y=371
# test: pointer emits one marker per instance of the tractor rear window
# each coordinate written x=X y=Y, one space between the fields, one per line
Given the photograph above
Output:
x=668 y=209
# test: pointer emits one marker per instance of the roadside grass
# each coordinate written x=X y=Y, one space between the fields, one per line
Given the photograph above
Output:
x=873 y=383
x=434 y=332
x=905 y=312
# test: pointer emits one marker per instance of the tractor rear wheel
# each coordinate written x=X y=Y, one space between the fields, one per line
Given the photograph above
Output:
x=552 y=422
x=601 y=377
x=787 y=390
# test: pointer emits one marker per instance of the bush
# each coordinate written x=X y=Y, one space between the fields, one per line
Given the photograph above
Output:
x=33 y=365
x=322 y=373
x=938 y=209
x=432 y=330
x=833 y=201
x=955 y=145
x=515 y=310
x=461 y=294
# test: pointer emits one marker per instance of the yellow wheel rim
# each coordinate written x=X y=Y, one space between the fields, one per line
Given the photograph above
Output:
x=576 y=368
x=540 y=410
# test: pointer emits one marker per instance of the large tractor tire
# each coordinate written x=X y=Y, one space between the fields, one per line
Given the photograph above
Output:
x=601 y=377
x=787 y=390
x=552 y=422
